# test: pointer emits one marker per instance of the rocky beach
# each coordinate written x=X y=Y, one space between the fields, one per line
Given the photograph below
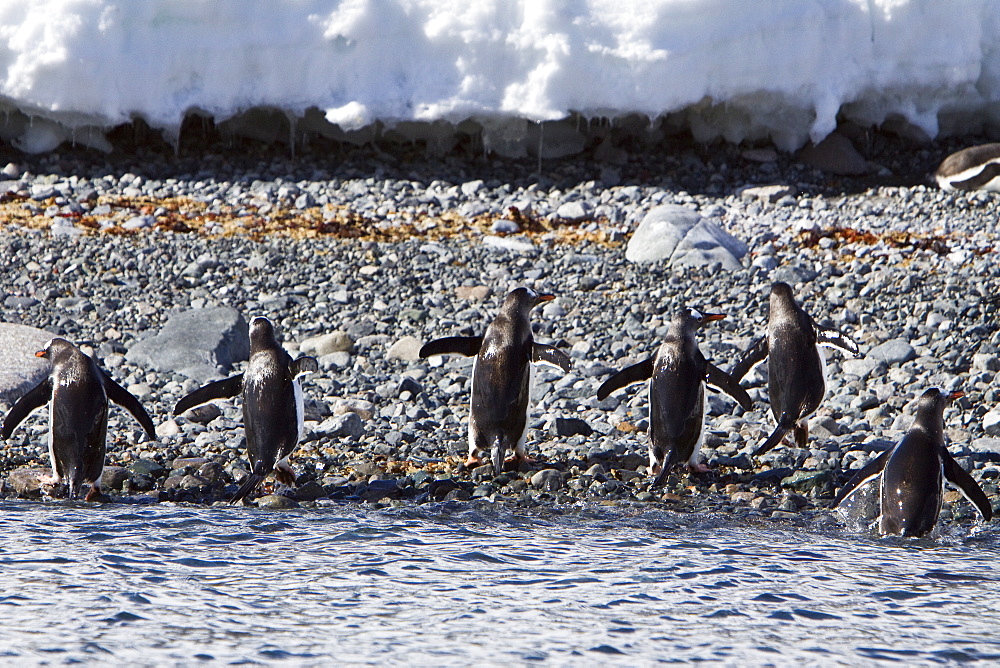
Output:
x=154 y=262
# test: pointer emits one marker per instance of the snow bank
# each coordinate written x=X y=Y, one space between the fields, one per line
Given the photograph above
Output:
x=783 y=69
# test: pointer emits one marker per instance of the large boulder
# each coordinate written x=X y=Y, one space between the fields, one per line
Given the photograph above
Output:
x=200 y=344
x=20 y=370
x=680 y=237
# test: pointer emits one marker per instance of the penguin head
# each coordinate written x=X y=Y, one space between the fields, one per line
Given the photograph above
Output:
x=782 y=300
x=525 y=299
x=931 y=405
x=697 y=318
x=261 y=334
x=58 y=351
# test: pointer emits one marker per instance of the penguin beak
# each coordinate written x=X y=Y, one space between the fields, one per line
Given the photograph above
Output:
x=711 y=317
x=955 y=395
x=40 y=353
x=544 y=298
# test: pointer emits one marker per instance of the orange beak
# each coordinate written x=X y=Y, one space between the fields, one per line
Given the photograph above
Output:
x=545 y=298
x=40 y=353
x=955 y=395
x=711 y=317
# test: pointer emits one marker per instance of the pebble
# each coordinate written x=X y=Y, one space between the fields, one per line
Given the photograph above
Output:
x=915 y=293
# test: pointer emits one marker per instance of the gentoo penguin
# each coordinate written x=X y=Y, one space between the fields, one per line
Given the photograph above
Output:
x=677 y=375
x=77 y=392
x=913 y=473
x=796 y=368
x=501 y=377
x=272 y=405
x=973 y=168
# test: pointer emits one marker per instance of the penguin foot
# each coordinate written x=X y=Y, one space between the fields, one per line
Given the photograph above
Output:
x=49 y=480
x=699 y=467
x=284 y=476
x=472 y=461
x=95 y=493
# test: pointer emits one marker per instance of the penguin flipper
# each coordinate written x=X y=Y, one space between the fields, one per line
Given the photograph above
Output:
x=870 y=470
x=220 y=389
x=970 y=489
x=36 y=397
x=729 y=385
x=753 y=356
x=126 y=400
x=830 y=337
x=462 y=345
x=303 y=365
x=630 y=374
x=545 y=354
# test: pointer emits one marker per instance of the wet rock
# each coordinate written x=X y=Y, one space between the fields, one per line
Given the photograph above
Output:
x=114 y=477
x=146 y=467
x=380 y=489
x=681 y=237
x=804 y=481
x=196 y=343
x=185 y=462
x=276 y=502
x=310 y=491
x=26 y=482
x=548 y=480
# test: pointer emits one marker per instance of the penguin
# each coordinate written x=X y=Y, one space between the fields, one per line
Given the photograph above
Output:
x=272 y=405
x=677 y=376
x=973 y=168
x=913 y=473
x=796 y=366
x=501 y=377
x=77 y=391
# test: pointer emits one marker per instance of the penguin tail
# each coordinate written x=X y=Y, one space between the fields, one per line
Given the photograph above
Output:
x=247 y=488
x=775 y=437
x=497 y=454
x=661 y=477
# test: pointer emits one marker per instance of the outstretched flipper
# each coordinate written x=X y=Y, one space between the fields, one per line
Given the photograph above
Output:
x=630 y=374
x=958 y=477
x=826 y=336
x=870 y=470
x=126 y=400
x=36 y=397
x=754 y=355
x=220 y=389
x=729 y=385
x=545 y=354
x=303 y=365
x=462 y=345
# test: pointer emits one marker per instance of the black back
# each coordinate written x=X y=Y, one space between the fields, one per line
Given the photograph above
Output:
x=795 y=383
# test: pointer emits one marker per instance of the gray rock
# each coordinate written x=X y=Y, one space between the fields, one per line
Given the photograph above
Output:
x=564 y=427
x=276 y=502
x=146 y=467
x=771 y=193
x=347 y=424
x=310 y=491
x=509 y=243
x=20 y=370
x=114 y=477
x=991 y=423
x=406 y=349
x=836 y=155
x=203 y=414
x=27 y=481
x=793 y=273
x=334 y=342
x=681 y=237
x=548 y=480
x=861 y=367
x=894 y=351
x=196 y=343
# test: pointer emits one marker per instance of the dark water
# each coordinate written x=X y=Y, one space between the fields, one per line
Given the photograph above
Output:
x=450 y=585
